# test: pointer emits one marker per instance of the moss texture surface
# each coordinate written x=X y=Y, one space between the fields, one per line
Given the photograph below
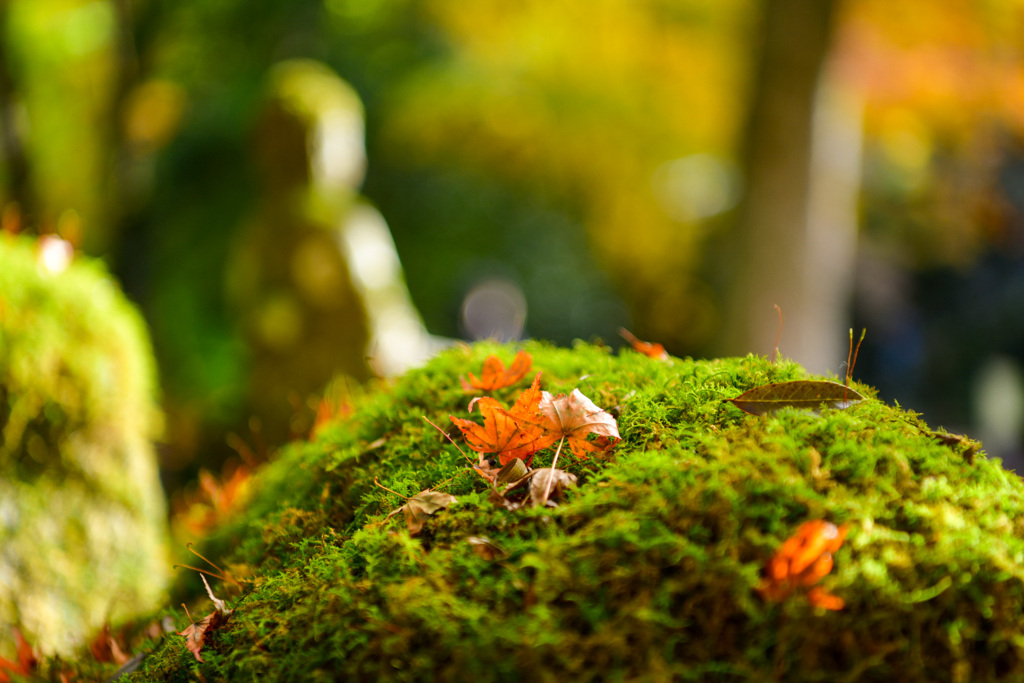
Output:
x=82 y=513
x=647 y=570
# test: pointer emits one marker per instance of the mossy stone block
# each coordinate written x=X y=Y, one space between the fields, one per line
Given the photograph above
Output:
x=83 y=528
x=648 y=570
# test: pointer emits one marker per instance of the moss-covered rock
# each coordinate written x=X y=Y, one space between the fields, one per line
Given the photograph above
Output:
x=649 y=568
x=82 y=514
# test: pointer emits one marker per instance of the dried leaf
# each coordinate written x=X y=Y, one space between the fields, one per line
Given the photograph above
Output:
x=540 y=484
x=495 y=376
x=486 y=549
x=195 y=634
x=507 y=433
x=513 y=470
x=804 y=393
x=652 y=350
x=105 y=648
x=957 y=442
x=575 y=417
x=421 y=506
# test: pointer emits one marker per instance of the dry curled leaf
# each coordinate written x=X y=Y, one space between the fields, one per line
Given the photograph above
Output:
x=195 y=634
x=804 y=393
x=486 y=549
x=650 y=349
x=421 y=506
x=549 y=484
x=495 y=376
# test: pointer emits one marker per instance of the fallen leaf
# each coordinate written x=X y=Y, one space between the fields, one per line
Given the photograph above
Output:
x=804 y=393
x=575 y=417
x=26 y=660
x=486 y=549
x=495 y=376
x=105 y=648
x=195 y=634
x=652 y=350
x=802 y=561
x=421 y=506
x=507 y=433
x=548 y=484
x=513 y=470
x=957 y=442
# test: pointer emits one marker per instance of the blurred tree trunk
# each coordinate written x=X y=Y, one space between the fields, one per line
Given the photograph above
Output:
x=775 y=248
x=14 y=170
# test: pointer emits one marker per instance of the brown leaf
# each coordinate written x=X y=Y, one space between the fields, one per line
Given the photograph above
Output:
x=195 y=634
x=575 y=417
x=539 y=485
x=421 y=506
x=105 y=648
x=804 y=393
x=495 y=376
x=486 y=549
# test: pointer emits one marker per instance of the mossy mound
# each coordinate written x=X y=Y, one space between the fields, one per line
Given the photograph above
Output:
x=648 y=570
x=82 y=514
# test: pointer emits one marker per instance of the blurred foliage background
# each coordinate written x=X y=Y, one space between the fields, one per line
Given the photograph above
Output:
x=546 y=169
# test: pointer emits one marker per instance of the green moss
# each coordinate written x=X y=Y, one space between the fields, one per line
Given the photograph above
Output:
x=82 y=514
x=648 y=569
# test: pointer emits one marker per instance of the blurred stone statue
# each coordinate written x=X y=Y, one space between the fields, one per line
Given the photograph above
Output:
x=314 y=278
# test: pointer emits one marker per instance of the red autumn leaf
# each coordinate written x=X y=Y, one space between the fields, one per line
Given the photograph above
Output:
x=507 y=433
x=26 y=660
x=575 y=417
x=802 y=561
x=653 y=350
x=195 y=634
x=495 y=376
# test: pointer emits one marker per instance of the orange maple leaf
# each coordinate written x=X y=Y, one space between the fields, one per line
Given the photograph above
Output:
x=507 y=433
x=495 y=376
x=575 y=417
x=652 y=349
x=802 y=561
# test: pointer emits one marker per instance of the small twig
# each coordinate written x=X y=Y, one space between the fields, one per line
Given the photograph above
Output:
x=437 y=487
x=449 y=438
x=380 y=485
x=551 y=475
x=222 y=575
